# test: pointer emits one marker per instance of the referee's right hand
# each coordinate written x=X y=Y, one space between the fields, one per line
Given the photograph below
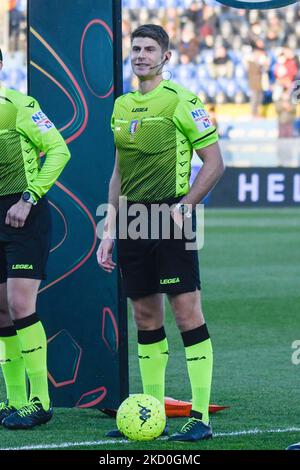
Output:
x=104 y=255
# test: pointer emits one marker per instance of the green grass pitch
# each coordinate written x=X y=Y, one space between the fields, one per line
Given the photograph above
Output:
x=250 y=270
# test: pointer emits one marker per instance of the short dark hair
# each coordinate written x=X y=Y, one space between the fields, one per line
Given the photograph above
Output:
x=1 y=56
x=152 y=31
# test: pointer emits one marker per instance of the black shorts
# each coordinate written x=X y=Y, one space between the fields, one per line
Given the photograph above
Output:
x=158 y=266
x=24 y=251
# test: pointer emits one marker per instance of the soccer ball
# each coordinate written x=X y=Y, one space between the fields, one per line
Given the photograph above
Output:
x=141 y=417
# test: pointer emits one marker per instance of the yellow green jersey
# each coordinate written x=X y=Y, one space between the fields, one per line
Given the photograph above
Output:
x=155 y=135
x=25 y=132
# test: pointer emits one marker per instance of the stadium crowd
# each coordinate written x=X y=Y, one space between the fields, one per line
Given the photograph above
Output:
x=17 y=24
x=223 y=54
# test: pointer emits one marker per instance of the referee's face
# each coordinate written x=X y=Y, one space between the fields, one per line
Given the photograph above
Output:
x=146 y=57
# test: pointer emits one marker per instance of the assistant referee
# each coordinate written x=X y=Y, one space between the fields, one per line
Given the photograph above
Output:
x=25 y=229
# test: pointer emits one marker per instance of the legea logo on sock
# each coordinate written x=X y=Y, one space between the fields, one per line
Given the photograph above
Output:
x=257 y=4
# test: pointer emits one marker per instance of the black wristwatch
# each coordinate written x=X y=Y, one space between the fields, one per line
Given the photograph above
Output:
x=184 y=210
x=27 y=197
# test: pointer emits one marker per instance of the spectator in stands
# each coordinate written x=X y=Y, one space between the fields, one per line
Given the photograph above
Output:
x=195 y=13
x=190 y=48
x=286 y=114
x=207 y=25
x=286 y=68
x=222 y=65
x=126 y=29
x=171 y=21
x=16 y=17
x=258 y=65
x=276 y=31
x=256 y=34
x=197 y=28
x=285 y=72
x=187 y=35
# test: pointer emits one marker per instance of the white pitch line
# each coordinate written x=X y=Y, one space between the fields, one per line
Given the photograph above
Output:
x=65 y=445
x=255 y=431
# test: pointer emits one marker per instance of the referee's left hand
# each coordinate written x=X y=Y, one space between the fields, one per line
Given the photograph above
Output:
x=16 y=216
x=177 y=217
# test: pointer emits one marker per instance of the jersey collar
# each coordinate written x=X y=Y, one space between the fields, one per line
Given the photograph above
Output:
x=151 y=93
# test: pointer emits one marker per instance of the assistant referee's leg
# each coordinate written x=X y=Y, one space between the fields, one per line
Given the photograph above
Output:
x=11 y=360
x=198 y=349
x=22 y=297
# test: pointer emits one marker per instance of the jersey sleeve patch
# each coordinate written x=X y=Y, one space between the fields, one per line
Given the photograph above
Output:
x=42 y=122
x=201 y=119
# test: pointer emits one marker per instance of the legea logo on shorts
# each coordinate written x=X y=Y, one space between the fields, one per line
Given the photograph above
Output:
x=257 y=4
x=22 y=266
x=173 y=280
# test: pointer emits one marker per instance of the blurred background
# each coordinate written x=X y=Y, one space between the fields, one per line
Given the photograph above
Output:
x=13 y=42
x=241 y=63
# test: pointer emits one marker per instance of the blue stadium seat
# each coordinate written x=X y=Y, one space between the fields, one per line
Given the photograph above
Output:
x=207 y=55
x=243 y=85
x=202 y=71
x=186 y=72
x=15 y=78
x=222 y=83
x=211 y=89
x=231 y=89
x=234 y=57
x=240 y=71
x=194 y=86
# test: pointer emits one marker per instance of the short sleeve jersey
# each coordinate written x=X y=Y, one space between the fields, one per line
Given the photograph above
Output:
x=155 y=135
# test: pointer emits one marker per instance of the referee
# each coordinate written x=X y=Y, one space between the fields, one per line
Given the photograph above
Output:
x=156 y=130
x=25 y=229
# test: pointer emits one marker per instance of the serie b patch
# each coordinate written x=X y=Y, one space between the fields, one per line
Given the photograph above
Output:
x=42 y=122
x=201 y=119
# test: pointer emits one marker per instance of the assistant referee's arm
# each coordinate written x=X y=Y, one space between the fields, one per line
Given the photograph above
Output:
x=34 y=125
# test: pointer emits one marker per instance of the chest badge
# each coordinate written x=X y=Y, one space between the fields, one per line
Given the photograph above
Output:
x=133 y=126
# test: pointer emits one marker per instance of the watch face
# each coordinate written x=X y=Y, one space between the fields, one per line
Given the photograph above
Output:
x=26 y=196
x=257 y=4
x=183 y=209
